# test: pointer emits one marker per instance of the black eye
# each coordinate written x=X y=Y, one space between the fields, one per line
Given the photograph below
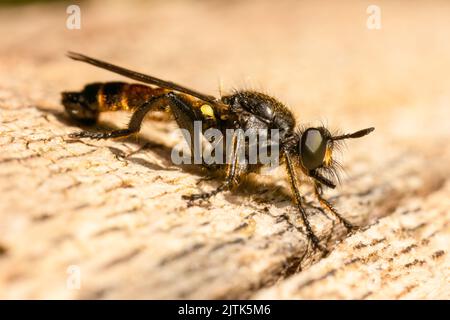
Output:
x=312 y=148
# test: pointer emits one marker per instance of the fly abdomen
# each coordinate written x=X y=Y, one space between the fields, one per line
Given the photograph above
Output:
x=86 y=105
x=113 y=96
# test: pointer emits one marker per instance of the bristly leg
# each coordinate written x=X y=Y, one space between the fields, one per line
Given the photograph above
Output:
x=102 y=135
x=327 y=205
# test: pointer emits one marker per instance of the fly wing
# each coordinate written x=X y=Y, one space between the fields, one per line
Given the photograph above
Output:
x=142 y=77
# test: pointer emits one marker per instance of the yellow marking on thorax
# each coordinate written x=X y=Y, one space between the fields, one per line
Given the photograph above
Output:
x=207 y=111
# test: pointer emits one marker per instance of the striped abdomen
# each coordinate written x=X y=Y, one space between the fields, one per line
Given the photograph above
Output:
x=110 y=96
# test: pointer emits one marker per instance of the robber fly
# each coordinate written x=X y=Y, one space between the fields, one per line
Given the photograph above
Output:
x=308 y=151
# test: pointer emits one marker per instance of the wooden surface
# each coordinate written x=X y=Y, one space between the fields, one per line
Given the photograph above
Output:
x=113 y=209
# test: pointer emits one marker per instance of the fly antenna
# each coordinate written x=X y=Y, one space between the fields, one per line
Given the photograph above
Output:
x=357 y=134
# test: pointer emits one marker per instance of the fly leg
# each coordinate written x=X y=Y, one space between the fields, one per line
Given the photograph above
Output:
x=299 y=202
x=328 y=206
x=155 y=103
x=235 y=168
x=133 y=126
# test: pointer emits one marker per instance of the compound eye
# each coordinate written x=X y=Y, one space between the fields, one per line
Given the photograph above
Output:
x=312 y=148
